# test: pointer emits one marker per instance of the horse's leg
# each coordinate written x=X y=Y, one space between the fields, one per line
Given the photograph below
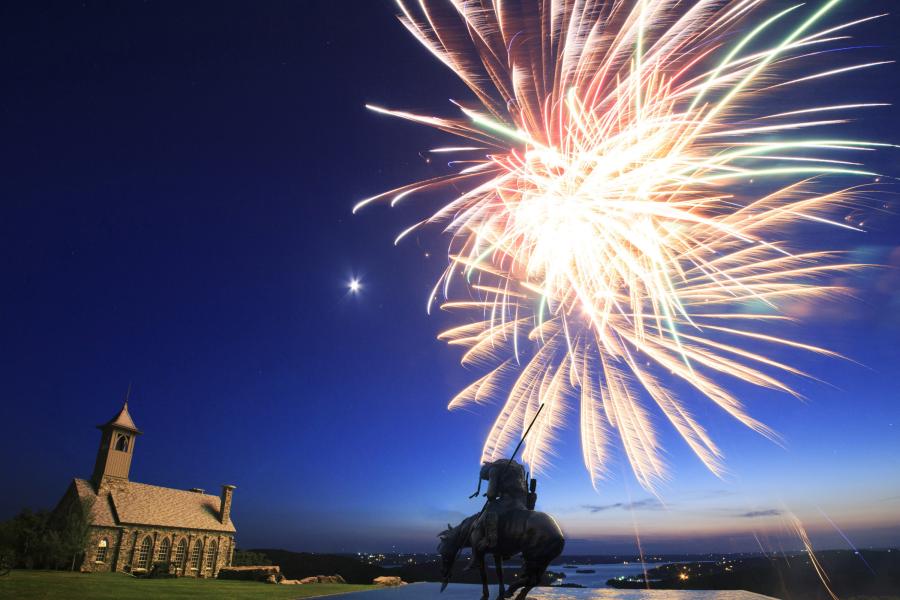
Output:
x=474 y=543
x=498 y=565
x=485 y=592
x=531 y=578
x=515 y=585
x=477 y=558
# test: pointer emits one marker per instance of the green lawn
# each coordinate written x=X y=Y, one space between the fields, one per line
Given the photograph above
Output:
x=40 y=585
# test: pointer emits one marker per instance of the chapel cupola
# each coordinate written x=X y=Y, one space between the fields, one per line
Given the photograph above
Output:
x=116 y=447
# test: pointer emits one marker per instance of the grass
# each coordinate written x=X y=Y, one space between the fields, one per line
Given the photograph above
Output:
x=52 y=585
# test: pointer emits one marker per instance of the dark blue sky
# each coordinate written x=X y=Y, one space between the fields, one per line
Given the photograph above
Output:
x=177 y=184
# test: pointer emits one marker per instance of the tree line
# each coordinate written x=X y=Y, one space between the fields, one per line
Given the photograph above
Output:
x=46 y=539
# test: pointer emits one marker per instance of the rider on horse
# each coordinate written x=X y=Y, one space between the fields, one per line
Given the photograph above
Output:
x=507 y=491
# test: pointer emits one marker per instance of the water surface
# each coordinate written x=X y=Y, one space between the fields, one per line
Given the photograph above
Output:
x=602 y=573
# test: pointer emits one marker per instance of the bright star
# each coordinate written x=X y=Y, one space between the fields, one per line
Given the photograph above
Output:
x=354 y=285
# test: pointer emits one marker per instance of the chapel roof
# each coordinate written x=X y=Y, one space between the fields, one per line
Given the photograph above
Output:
x=132 y=503
x=101 y=509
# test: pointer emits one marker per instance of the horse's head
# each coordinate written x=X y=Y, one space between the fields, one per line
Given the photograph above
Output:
x=448 y=548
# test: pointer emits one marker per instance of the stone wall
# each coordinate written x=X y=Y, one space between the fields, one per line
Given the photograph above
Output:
x=90 y=563
x=258 y=573
x=124 y=545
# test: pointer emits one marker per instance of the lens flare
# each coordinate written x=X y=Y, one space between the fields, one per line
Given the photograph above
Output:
x=603 y=223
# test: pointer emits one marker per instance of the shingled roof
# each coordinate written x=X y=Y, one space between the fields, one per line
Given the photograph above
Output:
x=131 y=503
x=101 y=509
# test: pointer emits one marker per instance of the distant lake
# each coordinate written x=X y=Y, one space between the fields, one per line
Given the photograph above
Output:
x=602 y=573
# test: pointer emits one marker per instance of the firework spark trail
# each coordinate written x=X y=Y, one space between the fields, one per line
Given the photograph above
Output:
x=793 y=526
x=637 y=538
x=759 y=543
x=604 y=235
x=849 y=543
x=798 y=528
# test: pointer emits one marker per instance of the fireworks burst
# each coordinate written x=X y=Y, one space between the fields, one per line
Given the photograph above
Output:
x=604 y=234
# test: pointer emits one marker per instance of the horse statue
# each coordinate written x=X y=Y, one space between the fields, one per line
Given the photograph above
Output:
x=534 y=534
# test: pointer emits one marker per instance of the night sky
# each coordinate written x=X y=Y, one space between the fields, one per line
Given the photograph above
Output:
x=177 y=180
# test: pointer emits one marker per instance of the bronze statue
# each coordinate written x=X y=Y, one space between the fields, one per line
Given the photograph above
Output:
x=506 y=526
x=532 y=533
x=506 y=491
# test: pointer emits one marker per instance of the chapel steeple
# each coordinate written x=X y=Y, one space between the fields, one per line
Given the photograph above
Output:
x=116 y=447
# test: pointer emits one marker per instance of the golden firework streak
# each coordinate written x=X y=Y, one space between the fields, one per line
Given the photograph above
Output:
x=606 y=234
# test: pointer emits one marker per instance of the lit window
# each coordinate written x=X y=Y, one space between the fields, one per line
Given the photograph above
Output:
x=195 y=556
x=144 y=554
x=162 y=555
x=102 y=548
x=180 y=553
x=122 y=443
x=211 y=555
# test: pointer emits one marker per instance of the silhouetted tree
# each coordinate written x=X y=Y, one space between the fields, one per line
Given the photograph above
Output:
x=7 y=547
x=74 y=527
x=45 y=540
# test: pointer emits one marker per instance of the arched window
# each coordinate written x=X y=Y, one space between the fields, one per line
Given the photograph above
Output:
x=180 y=553
x=143 y=558
x=122 y=442
x=162 y=555
x=195 y=555
x=211 y=554
x=102 y=549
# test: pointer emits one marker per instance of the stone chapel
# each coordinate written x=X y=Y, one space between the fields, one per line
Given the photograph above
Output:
x=136 y=525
